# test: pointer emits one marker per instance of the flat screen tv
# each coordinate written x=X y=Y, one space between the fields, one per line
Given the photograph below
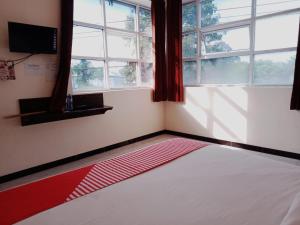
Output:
x=32 y=39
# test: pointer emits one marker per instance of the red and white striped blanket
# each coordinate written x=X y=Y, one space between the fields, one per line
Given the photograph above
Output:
x=22 y=202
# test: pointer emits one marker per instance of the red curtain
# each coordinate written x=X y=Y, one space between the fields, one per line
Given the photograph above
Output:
x=158 y=44
x=167 y=68
x=295 y=102
x=60 y=90
x=174 y=51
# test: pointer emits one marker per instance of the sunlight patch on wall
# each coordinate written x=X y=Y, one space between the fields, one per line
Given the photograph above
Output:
x=199 y=97
x=197 y=113
x=237 y=95
x=229 y=122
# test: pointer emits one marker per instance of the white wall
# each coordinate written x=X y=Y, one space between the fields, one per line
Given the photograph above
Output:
x=253 y=115
x=134 y=113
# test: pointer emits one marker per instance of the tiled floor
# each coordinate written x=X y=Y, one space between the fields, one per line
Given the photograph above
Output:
x=108 y=155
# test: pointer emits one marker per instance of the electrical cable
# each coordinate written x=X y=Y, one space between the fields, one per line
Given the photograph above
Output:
x=20 y=59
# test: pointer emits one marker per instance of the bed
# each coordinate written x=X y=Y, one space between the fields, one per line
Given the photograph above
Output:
x=214 y=185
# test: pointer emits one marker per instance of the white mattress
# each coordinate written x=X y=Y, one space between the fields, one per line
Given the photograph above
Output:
x=212 y=186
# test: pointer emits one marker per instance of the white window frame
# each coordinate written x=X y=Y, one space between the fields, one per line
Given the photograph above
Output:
x=251 y=22
x=106 y=59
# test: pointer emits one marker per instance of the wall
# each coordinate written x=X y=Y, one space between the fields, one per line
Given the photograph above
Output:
x=254 y=115
x=134 y=113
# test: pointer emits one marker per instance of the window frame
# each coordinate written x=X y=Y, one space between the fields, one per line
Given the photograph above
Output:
x=106 y=59
x=251 y=23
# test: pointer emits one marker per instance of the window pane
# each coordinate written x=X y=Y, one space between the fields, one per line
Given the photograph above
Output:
x=226 y=41
x=88 y=11
x=189 y=45
x=87 y=74
x=146 y=48
x=87 y=42
x=122 y=74
x=190 y=73
x=120 y=15
x=189 y=16
x=121 y=45
x=274 y=68
x=145 y=21
x=277 y=32
x=229 y=70
x=146 y=74
x=222 y=11
x=271 y=6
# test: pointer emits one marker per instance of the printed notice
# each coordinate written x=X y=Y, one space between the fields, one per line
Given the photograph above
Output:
x=33 y=69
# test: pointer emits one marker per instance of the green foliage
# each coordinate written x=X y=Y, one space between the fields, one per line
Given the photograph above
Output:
x=110 y=2
x=213 y=41
x=85 y=72
x=129 y=72
x=190 y=45
x=208 y=10
x=267 y=71
x=190 y=71
x=129 y=24
x=189 y=19
x=229 y=70
x=145 y=20
x=145 y=47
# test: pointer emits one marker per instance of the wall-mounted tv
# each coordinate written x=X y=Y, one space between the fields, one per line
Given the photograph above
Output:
x=32 y=39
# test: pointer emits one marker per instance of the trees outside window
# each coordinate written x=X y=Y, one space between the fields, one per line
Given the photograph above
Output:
x=232 y=42
x=112 y=45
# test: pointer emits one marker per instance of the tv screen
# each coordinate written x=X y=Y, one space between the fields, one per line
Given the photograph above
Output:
x=32 y=39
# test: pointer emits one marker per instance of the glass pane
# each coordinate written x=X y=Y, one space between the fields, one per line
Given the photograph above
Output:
x=190 y=73
x=122 y=74
x=223 y=11
x=274 y=68
x=277 y=32
x=226 y=41
x=271 y=6
x=146 y=74
x=146 y=48
x=145 y=21
x=87 y=42
x=87 y=74
x=229 y=70
x=189 y=17
x=189 y=45
x=121 y=45
x=88 y=11
x=120 y=15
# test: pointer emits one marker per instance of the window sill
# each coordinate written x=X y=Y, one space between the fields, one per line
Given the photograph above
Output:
x=243 y=85
x=112 y=90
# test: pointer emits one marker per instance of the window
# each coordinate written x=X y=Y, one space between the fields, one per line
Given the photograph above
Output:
x=87 y=74
x=112 y=45
x=190 y=71
x=227 y=70
x=238 y=42
x=222 y=11
x=274 y=68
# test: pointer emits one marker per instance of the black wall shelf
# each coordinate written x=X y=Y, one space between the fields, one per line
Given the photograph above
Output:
x=51 y=117
x=36 y=109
